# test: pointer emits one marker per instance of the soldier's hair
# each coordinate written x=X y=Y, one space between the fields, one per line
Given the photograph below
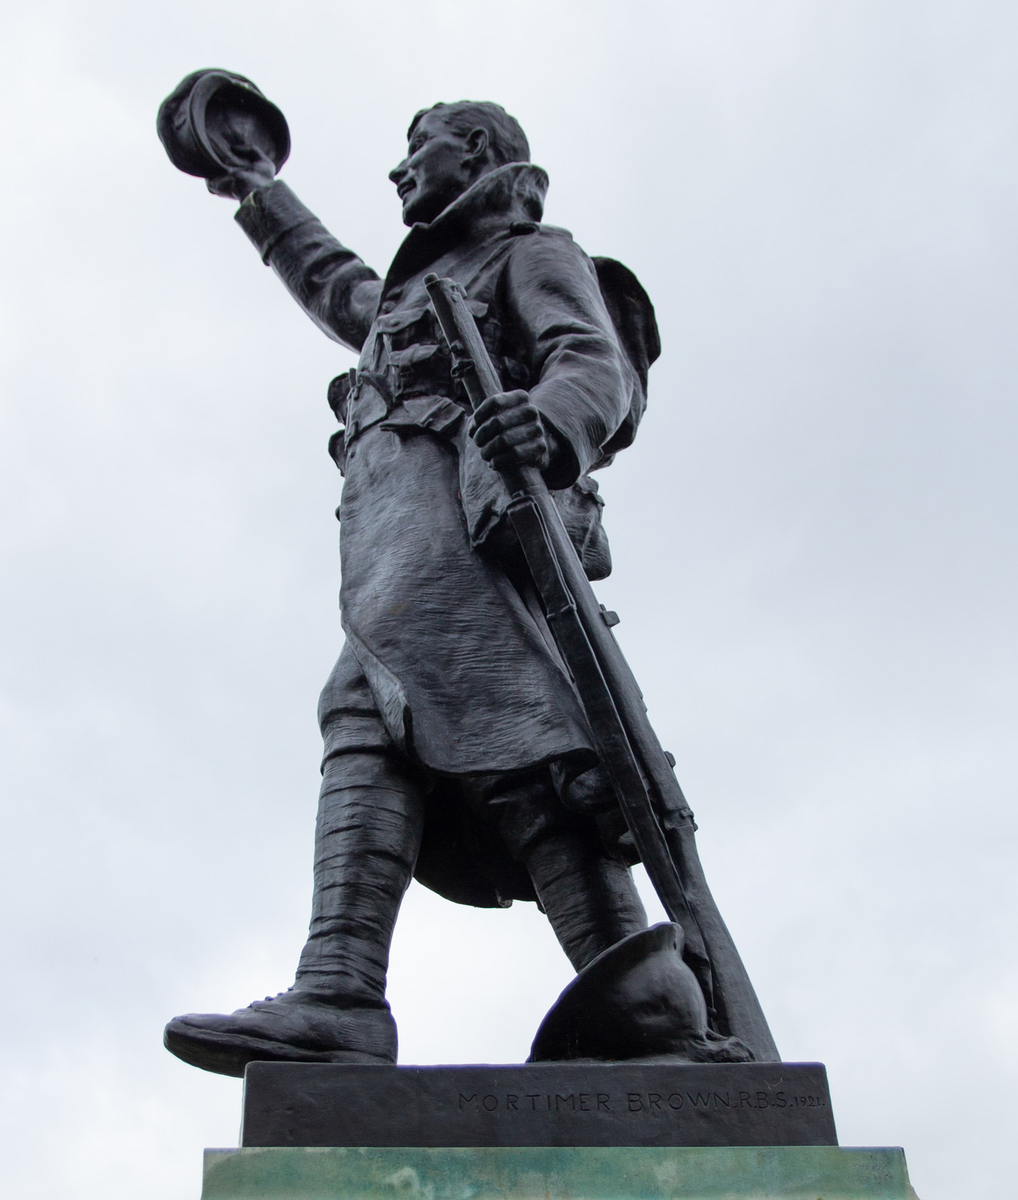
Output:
x=506 y=140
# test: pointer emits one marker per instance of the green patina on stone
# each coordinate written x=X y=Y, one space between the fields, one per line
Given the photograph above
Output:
x=558 y=1173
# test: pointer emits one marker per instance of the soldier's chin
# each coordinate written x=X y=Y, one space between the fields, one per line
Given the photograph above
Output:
x=420 y=209
x=409 y=215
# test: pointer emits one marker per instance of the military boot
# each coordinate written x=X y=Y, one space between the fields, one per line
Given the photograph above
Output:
x=367 y=838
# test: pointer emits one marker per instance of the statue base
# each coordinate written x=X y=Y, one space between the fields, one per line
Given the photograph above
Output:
x=548 y=1131
x=538 y=1104
x=557 y=1173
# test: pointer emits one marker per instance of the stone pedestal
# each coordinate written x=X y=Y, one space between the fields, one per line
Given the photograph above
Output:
x=555 y=1131
x=557 y=1173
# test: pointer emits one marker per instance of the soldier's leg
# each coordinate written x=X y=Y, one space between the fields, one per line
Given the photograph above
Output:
x=589 y=897
x=367 y=838
x=640 y=998
x=368 y=834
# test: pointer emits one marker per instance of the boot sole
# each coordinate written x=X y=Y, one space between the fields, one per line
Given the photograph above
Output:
x=229 y=1054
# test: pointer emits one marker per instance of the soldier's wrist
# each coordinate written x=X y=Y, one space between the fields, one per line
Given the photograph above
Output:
x=562 y=468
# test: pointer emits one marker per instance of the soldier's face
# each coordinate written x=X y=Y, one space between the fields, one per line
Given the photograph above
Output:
x=439 y=166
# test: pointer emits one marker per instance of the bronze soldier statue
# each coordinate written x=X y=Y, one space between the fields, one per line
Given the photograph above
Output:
x=457 y=748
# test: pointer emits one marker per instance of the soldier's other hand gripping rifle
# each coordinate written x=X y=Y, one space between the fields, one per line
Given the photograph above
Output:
x=655 y=810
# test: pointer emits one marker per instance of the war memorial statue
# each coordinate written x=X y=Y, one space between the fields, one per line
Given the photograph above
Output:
x=481 y=729
x=483 y=732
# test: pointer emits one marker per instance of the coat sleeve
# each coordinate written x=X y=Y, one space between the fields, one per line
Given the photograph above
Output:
x=335 y=288
x=581 y=381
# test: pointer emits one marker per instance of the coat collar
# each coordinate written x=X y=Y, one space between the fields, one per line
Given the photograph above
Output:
x=514 y=192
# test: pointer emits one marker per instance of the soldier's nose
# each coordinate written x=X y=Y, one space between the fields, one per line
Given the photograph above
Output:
x=397 y=173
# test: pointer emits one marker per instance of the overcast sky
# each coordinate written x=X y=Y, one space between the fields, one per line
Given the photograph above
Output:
x=813 y=538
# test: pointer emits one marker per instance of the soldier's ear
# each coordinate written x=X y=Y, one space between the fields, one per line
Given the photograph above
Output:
x=476 y=142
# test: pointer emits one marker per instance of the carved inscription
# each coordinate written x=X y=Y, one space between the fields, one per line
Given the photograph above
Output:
x=657 y=1101
x=632 y=1102
x=536 y=1102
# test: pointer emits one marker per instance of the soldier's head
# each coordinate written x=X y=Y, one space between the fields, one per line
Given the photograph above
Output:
x=451 y=146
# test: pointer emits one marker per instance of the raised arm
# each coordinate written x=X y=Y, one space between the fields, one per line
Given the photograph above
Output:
x=335 y=288
x=219 y=126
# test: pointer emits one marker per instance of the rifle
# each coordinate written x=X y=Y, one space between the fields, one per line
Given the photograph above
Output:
x=655 y=809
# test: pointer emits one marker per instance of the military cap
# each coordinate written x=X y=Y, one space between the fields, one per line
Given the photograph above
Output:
x=195 y=119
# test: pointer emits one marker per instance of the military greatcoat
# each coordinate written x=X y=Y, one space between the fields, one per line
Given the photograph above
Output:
x=444 y=638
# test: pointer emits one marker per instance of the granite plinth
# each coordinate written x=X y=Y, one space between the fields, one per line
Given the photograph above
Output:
x=563 y=1104
x=557 y=1173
